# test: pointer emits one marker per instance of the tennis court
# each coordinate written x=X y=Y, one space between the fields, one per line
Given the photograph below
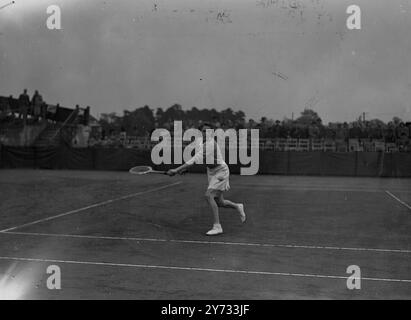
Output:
x=118 y=236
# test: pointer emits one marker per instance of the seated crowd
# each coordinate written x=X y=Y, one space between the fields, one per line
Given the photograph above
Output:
x=283 y=136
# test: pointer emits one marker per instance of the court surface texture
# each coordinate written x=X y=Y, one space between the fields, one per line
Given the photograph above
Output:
x=114 y=235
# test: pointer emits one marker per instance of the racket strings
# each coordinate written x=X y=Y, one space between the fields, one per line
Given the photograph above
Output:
x=141 y=169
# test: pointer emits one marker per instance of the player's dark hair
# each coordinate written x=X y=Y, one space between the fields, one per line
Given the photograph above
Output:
x=205 y=124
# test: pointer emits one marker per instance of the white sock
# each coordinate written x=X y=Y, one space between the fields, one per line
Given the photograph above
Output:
x=242 y=213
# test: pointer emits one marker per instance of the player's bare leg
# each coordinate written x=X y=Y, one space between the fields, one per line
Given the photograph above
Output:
x=221 y=202
x=217 y=229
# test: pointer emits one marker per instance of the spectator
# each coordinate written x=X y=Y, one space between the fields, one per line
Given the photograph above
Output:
x=345 y=129
x=24 y=105
x=340 y=133
x=4 y=108
x=87 y=116
x=364 y=130
x=215 y=121
x=123 y=134
x=355 y=131
x=313 y=131
x=275 y=130
x=389 y=133
x=402 y=131
x=402 y=136
x=37 y=103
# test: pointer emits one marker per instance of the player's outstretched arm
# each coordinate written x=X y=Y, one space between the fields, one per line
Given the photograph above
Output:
x=181 y=169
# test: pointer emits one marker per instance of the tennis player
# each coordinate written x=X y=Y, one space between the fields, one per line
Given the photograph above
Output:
x=218 y=178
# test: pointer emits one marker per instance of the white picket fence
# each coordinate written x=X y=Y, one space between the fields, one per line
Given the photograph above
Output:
x=302 y=145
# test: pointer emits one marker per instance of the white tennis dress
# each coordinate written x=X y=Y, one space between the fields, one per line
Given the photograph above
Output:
x=218 y=172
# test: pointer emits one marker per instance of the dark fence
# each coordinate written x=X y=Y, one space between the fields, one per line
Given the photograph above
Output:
x=371 y=164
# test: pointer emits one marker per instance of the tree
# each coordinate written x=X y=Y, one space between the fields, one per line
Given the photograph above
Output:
x=308 y=117
x=239 y=116
x=396 y=120
x=175 y=112
x=159 y=116
x=139 y=122
x=377 y=123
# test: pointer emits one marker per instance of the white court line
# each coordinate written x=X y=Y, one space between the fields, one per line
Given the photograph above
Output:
x=144 y=266
x=91 y=206
x=302 y=188
x=398 y=199
x=208 y=242
x=315 y=188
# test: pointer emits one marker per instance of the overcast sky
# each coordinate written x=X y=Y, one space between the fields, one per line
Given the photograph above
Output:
x=266 y=57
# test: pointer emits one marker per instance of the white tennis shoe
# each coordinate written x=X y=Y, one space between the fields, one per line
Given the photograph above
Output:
x=217 y=229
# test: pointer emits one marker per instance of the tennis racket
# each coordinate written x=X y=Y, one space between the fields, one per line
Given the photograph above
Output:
x=140 y=170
